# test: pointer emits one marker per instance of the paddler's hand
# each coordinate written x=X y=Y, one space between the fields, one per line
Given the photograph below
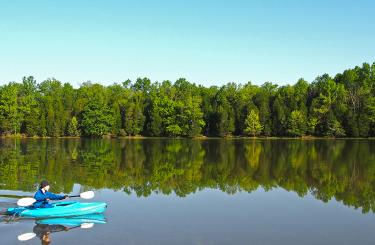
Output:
x=66 y=197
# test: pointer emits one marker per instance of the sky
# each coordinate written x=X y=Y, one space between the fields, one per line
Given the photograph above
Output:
x=208 y=42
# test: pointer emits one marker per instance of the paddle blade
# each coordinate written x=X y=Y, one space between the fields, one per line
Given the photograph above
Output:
x=87 y=225
x=26 y=236
x=87 y=195
x=27 y=201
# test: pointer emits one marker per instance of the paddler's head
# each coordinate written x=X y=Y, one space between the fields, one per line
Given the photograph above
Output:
x=44 y=185
x=46 y=240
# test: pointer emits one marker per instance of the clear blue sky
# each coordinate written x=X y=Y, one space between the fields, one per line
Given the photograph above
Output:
x=210 y=42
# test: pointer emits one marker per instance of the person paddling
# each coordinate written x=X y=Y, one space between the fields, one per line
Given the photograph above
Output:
x=42 y=196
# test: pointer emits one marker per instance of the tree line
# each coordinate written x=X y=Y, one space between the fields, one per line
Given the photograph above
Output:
x=343 y=105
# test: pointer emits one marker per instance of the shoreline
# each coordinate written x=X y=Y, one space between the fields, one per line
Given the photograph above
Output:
x=193 y=138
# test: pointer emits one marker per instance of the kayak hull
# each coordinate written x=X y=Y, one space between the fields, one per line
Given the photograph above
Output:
x=60 y=209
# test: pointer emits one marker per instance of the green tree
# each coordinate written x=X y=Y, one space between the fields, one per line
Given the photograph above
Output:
x=51 y=104
x=28 y=107
x=73 y=127
x=117 y=100
x=173 y=130
x=9 y=116
x=252 y=124
x=187 y=107
x=223 y=113
x=96 y=120
x=134 y=114
x=69 y=95
x=297 y=123
x=262 y=101
x=328 y=105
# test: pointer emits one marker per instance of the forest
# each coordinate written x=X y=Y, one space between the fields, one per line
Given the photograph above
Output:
x=339 y=106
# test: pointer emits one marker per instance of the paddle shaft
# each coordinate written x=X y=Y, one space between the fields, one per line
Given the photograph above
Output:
x=75 y=196
x=73 y=227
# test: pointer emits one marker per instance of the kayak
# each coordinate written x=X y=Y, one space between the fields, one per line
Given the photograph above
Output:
x=59 y=209
x=74 y=220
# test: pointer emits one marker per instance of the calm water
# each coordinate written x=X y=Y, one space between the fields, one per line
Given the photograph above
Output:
x=201 y=191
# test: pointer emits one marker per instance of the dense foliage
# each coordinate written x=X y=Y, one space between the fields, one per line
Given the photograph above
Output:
x=339 y=106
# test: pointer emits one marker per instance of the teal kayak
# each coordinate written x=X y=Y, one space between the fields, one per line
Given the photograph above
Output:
x=59 y=209
x=74 y=220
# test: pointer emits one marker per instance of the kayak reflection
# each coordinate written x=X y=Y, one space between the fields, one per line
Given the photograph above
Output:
x=43 y=231
x=45 y=227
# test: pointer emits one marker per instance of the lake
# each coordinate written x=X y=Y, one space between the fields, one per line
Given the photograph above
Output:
x=190 y=191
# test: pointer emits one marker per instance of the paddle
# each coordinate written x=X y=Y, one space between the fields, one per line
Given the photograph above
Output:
x=26 y=236
x=85 y=195
x=31 y=235
x=83 y=226
x=27 y=201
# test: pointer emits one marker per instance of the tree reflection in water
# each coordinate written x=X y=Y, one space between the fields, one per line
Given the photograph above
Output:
x=340 y=169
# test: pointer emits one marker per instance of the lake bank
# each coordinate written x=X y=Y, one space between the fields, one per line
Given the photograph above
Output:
x=195 y=137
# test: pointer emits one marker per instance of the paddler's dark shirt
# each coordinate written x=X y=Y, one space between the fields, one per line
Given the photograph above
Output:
x=41 y=199
x=41 y=229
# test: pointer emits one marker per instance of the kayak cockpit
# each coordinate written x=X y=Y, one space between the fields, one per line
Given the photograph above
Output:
x=63 y=204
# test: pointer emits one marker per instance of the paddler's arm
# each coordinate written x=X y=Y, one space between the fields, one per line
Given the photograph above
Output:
x=52 y=196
